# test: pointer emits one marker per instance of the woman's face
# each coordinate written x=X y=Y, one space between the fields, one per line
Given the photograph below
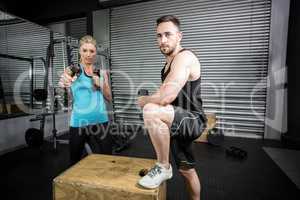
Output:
x=88 y=53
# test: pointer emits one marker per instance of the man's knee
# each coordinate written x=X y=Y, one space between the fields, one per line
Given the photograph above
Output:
x=155 y=112
x=150 y=110
x=187 y=173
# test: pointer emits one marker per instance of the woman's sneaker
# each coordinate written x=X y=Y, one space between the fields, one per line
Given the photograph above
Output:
x=156 y=176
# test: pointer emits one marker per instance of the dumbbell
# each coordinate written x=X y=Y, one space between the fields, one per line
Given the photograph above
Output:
x=73 y=70
x=142 y=92
x=143 y=172
x=236 y=152
x=96 y=72
x=215 y=137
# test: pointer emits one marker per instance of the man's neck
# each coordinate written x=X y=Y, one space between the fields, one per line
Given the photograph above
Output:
x=170 y=57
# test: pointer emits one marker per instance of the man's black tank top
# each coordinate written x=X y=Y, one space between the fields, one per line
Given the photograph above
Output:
x=189 y=97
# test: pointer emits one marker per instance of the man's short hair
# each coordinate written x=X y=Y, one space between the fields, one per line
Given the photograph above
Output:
x=169 y=18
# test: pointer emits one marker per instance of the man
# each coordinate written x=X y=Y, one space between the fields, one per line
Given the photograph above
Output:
x=173 y=115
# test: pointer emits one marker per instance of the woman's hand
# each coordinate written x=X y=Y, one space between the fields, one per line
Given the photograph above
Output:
x=102 y=82
x=66 y=80
x=98 y=83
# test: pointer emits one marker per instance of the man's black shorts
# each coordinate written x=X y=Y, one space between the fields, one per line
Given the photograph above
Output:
x=185 y=128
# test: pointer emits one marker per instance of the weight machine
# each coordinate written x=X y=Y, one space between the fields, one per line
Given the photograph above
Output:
x=34 y=137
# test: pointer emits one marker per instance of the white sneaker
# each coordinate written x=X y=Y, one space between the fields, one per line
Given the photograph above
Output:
x=156 y=176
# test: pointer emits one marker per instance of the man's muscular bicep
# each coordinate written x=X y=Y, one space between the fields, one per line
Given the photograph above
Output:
x=178 y=76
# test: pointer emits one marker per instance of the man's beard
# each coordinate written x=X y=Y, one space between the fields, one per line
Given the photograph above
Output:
x=167 y=53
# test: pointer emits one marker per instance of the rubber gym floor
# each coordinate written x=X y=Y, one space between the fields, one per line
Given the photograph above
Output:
x=28 y=173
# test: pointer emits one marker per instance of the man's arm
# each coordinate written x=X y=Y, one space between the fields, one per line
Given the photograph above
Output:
x=174 y=82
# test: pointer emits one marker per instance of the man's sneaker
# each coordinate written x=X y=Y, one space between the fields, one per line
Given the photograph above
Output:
x=156 y=176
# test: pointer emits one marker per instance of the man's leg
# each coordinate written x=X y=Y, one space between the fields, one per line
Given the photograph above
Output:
x=192 y=182
x=185 y=161
x=158 y=120
x=190 y=127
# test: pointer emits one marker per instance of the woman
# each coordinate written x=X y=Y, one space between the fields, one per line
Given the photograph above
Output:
x=89 y=119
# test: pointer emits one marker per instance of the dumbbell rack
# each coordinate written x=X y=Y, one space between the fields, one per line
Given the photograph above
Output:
x=54 y=134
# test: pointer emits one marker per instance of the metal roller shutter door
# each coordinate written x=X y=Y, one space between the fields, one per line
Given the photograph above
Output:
x=77 y=27
x=231 y=39
x=30 y=41
x=26 y=40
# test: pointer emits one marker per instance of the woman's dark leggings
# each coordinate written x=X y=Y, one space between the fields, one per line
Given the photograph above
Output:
x=97 y=136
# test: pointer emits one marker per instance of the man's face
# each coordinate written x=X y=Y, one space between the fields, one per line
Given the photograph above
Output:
x=88 y=53
x=168 y=37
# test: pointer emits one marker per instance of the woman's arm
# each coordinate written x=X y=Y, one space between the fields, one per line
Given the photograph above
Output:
x=105 y=87
x=103 y=83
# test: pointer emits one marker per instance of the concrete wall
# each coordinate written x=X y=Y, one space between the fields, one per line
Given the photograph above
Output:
x=58 y=27
x=12 y=134
x=276 y=111
x=102 y=35
x=294 y=70
x=101 y=27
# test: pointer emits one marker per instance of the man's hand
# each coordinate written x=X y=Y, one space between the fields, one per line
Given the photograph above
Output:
x=141 y=101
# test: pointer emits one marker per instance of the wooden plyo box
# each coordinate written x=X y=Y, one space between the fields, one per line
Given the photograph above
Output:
x=104 y=177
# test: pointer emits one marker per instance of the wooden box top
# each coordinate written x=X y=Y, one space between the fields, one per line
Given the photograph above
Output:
x=117 y=173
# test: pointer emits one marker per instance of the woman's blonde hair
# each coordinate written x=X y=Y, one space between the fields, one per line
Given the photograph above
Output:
x=87 y=39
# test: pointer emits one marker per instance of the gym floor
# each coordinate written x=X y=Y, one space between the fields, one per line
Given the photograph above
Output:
x=28 y=173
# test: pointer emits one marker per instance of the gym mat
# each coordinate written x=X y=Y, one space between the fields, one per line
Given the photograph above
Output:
x=288 y=160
